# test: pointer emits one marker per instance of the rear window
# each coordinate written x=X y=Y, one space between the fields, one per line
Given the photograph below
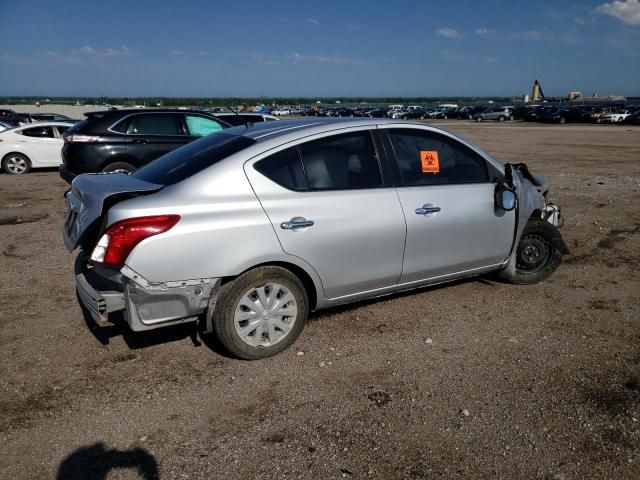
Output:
x=194 y=157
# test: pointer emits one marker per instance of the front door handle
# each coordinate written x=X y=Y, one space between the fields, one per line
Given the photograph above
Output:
x=295 y=223
x=140 y=140
x=427 y=210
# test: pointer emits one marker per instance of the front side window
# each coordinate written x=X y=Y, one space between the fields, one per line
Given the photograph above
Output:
x=341 y=161
x=154 y=124
x=285 y=169
x=39 y=132
x=428 y=158
x=201 y=126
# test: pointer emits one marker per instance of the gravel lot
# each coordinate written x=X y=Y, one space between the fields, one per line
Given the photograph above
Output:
x=477 y=379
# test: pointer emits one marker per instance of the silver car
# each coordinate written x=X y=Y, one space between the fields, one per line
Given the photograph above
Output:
x=249 y=229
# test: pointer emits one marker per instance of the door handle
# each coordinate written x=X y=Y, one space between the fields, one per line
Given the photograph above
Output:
x=140 y=140
x=427 y=210
x=296 y=223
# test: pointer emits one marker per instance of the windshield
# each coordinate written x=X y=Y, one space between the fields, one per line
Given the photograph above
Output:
x=192 y=158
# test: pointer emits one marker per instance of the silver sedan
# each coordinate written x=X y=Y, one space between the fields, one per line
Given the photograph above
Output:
x=247 y=230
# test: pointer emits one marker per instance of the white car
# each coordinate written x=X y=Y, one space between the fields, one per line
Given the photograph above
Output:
x=37 y=145
x=614 y=117
x=281 y=111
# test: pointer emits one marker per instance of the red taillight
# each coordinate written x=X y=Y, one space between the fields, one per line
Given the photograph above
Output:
x=121 y=237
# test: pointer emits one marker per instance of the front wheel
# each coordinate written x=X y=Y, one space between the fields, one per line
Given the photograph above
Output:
x=537 y=257
x=501 y=118
x=16 y=164
x=261 y=313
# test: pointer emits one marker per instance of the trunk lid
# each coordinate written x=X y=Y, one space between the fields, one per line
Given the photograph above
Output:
x=90 y=197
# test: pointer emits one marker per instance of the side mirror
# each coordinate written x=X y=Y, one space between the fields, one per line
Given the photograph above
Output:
x=505 y=197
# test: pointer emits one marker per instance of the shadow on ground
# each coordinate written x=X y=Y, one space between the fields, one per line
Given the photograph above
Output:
x=95 y=462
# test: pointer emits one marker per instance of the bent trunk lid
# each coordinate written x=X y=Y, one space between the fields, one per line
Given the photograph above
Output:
x=89 y=198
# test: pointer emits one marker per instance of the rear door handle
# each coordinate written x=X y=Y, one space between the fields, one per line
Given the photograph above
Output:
x=140 y=140
x=427 y=210
x=295 y=223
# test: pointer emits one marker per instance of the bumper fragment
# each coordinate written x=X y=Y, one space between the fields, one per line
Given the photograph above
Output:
x=99 y=303
x=145 y=305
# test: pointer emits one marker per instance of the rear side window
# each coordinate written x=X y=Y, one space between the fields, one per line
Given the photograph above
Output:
x=285 y=169
x=154 y=124
x=201 y=126
x=427 y=158
x=341 y=161
x=192 y=158
x=40 y=132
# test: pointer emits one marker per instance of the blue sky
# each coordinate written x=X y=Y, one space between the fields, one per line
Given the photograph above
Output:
x=320 y=48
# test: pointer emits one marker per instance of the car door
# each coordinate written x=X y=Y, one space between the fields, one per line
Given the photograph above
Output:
x=446 y=192
x=330 y=206
x=152 y=134
x=41 y=145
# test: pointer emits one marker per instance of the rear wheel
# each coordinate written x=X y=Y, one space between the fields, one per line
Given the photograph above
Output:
x=501 y=118
x=16 y=164
x=536 y=257
x=563 y=120
x=119 y=167
x=261 y=313
x=479 y=119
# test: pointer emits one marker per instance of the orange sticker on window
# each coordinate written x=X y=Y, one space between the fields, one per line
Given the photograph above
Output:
x=430 y=161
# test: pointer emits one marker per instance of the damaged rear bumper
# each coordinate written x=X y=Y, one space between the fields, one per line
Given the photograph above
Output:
x=144 y=305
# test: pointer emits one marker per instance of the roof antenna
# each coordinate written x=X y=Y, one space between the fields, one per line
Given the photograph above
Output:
x=244 y=120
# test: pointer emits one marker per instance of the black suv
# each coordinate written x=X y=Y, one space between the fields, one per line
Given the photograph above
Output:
x=124 y=140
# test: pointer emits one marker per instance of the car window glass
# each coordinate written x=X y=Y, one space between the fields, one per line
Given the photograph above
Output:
x=253 y=118
x=61 y=130
x=191 y=159
x=122 y=126
x=285 y=169
x=40 y=132
x=341 y=161
x=201 y=126
x=154 y=124
x=427 y=158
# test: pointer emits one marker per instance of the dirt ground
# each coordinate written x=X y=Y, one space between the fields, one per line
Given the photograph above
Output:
x=477 y=379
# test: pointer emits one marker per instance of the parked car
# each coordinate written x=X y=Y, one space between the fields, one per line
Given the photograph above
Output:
x=499 y=114
x=5 y=112
x=17 y=119
x=281 y=111
x=52 y=117
x=124 y=140
x=236 y=119
x=413 y=114
x=37 y=145
x=249 y=229
x=615 y=117
x=376 y=113
x=340 y=112
x=633 y=119
x=560 y=115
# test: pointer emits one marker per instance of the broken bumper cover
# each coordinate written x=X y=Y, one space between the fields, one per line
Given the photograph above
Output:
x=144 y=305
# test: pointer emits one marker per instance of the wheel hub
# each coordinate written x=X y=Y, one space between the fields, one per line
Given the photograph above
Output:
x=265 y=315
x=534 y=252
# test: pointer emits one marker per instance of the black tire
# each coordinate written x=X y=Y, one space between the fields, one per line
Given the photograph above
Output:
x=537 y=257
x=479 y=119
x=16 y=164
x=563 y=120
x=231 y=294
x=501 y=118
x=119 y=167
